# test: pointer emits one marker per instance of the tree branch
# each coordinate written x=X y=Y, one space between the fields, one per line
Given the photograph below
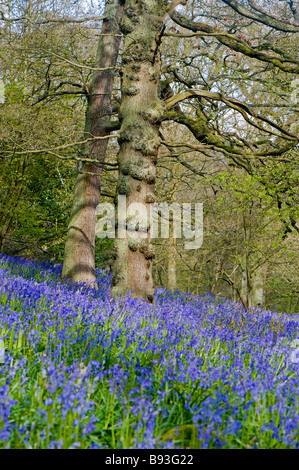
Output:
x=282 y=24
x=287 y=64
x=242 y=108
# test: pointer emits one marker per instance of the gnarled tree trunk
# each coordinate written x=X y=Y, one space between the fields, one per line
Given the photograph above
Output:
x=79 y=257
x=140 y=114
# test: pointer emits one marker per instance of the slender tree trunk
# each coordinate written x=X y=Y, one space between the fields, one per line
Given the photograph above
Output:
x=246 y=274
x=258 y=295
x=79 y=262
x=216 y=275
x=244 y=287
x=140 y=114
x=172 y=282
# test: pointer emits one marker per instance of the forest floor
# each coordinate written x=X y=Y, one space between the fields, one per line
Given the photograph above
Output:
x=81 y=370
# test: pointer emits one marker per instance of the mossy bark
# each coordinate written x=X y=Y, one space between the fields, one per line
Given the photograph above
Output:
x=79 y=256
x=140 y=114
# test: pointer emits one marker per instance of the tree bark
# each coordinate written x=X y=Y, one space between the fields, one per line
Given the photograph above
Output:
x=217 y=271
x=79 y=256
x=244 y=286
x=258 y=296
x=172 y=281
x=140 y=114
x=246 y=274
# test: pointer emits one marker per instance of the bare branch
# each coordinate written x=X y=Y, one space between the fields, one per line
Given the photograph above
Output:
x=242 y=108
x=281 y=24
x=60 y=147
x=50 y=20
x=285 y=63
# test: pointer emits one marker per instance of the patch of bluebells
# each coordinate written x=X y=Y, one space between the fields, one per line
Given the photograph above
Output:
x=84 y=370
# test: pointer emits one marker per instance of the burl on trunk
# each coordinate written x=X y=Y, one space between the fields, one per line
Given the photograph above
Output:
x=140 y=114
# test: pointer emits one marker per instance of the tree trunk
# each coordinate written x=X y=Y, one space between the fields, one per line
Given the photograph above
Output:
x=258 y=297
x=246 y=278
x=79 y=257
x=245 y=287
x=172 y=283
x=140 y=115
x=217 y=271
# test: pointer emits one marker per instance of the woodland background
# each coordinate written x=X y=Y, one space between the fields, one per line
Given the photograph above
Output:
x=47 y=55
